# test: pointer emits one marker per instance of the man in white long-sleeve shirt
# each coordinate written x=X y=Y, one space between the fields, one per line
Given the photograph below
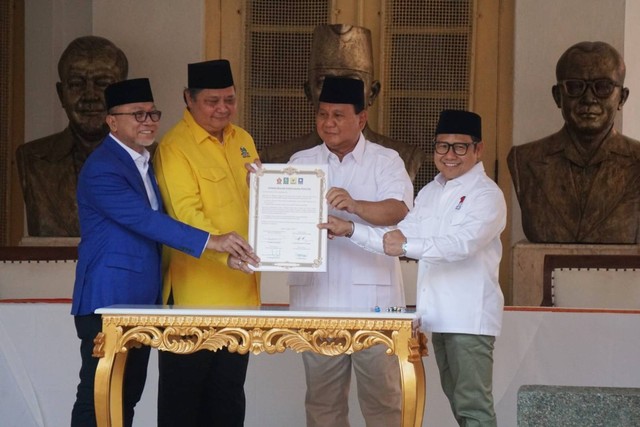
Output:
x=454 y=231
x=368 y=185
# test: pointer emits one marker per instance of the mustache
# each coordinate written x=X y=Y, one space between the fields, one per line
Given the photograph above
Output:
x=589 y=110
x=90 y=107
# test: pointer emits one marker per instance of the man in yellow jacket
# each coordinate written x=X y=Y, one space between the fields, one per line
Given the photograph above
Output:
x=202 y=178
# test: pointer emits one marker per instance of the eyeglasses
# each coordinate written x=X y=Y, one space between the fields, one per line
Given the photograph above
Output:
x=459 y=148
x=602 y=88
x=141 y=116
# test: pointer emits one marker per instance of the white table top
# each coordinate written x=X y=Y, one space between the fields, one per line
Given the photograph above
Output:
x=263 y=311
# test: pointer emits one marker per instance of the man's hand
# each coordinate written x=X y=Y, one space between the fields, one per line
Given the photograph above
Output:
x=252 y=168
x=235 y=263
x=337 y=227
x=340 y=199
x=381 y=213
x=392 y=242
x=234 y=245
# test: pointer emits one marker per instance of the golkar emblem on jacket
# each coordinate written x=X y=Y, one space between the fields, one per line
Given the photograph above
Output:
x=460 y=202
x=244 y=152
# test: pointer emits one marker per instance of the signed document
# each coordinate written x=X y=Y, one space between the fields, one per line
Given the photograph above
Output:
x=286 y=204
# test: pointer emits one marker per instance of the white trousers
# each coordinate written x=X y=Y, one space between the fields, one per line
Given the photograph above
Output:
x=328 y=380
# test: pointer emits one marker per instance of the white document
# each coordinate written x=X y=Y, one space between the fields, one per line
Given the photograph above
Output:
x=286 y=204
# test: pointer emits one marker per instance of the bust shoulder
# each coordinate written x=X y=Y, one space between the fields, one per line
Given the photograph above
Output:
x=539 y=148
x=283 y=151
x=51 y=147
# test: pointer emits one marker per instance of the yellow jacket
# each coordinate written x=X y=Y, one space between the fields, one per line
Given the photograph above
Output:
x=203 y=183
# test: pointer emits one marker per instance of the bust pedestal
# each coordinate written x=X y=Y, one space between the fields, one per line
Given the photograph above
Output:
x=528 y=265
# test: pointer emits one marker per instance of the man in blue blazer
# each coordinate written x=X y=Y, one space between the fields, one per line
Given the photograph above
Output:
x=122 y=228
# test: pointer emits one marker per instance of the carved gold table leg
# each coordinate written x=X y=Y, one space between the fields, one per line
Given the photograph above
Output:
x=109 y=377
x=410 y=351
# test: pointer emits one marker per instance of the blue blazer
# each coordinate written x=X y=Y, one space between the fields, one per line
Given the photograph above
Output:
x=119 y=256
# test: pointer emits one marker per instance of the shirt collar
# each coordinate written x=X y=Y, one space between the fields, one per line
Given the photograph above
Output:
x=141 y=159
x=357 y=153
x=464 y=179
x=613 y=143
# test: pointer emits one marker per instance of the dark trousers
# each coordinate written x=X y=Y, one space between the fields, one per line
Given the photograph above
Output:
x=83 y=413
x=203 y=389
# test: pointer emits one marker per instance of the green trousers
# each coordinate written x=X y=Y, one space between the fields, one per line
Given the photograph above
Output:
x=465 y=363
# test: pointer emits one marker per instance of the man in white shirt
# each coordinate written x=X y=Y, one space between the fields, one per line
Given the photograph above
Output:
x=454 y=231
x=368 y=185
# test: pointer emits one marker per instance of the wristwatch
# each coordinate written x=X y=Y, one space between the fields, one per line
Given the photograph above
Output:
x=404 y=248
x=353 y=228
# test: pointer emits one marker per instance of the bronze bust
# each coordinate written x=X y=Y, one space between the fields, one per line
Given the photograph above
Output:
x=582 y=184
x=49 y=166
x=345 y=51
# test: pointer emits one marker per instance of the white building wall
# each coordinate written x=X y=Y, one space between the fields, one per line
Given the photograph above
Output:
x=160 y=37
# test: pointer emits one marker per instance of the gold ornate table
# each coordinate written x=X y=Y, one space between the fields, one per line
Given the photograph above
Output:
x=257 y=330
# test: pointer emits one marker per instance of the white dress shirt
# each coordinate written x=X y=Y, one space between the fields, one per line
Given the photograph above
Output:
x=454 y=231
x=142 y=163
x=355 y=277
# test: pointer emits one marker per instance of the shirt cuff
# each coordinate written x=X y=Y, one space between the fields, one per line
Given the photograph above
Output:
x=205 y=245
x=414 y=248
x=360 y=234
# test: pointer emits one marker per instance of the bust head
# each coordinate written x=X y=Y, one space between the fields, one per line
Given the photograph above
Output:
x=590 y=88
x=341 y=50
x=86 y=67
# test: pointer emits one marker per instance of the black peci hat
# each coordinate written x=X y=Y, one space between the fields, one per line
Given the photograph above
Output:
x=128 y=92
x=214 y=74
x=460 y=122
x=343 y=90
